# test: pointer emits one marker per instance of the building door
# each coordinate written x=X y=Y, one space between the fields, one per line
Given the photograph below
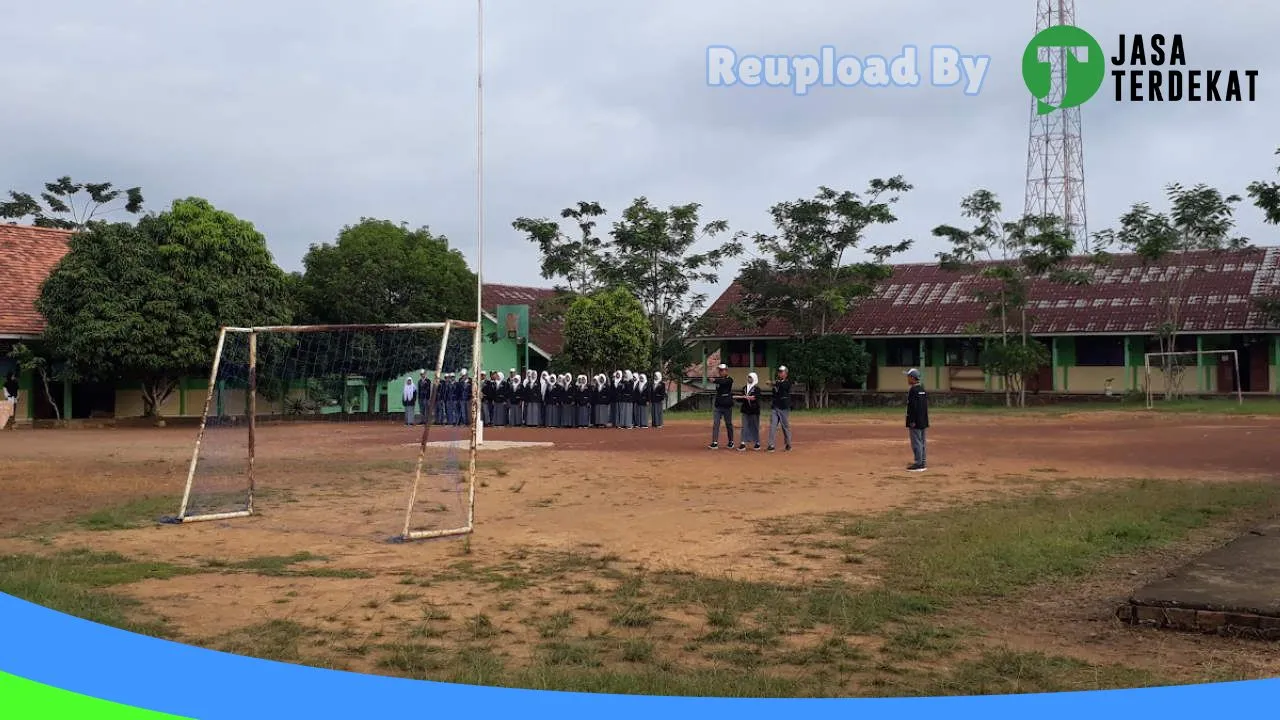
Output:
x=1227 y=380
x=1257 y=360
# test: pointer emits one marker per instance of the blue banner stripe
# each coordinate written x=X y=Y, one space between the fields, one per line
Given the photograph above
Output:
x=72 y=654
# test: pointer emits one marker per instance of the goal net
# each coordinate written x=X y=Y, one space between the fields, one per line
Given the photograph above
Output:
x=1170 y=376
x=355 y=429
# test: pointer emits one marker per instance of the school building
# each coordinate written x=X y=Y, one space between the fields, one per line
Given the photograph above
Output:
x=1096 y=335
x=515 y=335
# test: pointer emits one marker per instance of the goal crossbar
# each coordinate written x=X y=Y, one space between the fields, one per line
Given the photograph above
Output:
x=1151 y=360
x=408 y=532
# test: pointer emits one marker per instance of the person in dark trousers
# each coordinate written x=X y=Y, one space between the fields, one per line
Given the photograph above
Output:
x=917 y=419
x=424 y=398
x=722 y=408
x=780 y=415
x=444 y=395
x=750 y=398
x=488 y=390
x=554 y=402
x=500 y=390
x=584 y=403
x=657 y=400
x=602 y=401
x=640 y=401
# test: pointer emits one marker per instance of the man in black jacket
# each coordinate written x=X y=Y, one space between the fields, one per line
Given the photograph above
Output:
x=917 y=419
x=722 y=408
x=780 y=415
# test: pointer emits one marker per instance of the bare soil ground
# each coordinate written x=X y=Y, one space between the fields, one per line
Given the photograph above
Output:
x=596 y=554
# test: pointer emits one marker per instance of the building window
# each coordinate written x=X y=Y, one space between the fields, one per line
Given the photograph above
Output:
x=902 y=353
x=961 y=353
x=1096 y=351
x=739 y=352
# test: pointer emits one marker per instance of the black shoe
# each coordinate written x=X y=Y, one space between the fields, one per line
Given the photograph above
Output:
x=788 y=448
x=771 y=449
x=742 y=447
x=757 y=447
x=915 y=467
x=714 y=446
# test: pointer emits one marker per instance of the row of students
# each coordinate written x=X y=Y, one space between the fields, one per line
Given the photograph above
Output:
x=749 y=398
x=626 y=400
x=453 y=399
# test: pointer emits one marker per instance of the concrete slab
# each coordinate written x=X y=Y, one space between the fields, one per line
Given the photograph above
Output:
x=1232 y=590
x=486 y=445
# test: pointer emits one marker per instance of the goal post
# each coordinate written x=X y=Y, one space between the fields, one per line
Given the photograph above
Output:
x=1171 y=367
x=287 y=375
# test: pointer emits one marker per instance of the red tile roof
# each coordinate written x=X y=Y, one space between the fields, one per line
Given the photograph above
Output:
x=922 y=300
x=546 y=333
x=27 y=256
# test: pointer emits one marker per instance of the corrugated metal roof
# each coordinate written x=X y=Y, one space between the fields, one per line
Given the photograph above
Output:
x=923 y=300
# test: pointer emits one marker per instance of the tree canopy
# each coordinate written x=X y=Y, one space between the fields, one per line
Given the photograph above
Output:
x=378 y=271
x=71 y=205
x=144 y=302
x=605 y=331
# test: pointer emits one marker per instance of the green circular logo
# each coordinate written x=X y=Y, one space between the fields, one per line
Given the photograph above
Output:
x=1083 y=67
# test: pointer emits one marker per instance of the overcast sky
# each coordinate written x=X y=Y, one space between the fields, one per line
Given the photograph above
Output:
x=305 y=116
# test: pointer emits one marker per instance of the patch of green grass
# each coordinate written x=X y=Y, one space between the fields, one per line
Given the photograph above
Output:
x=574 y=654
x=916 y=642
x=1005 y=672
x=73 y=582
x=280 y=640
x=131 y=515
x=993 y=549
x=283 y=566
x=413 y=660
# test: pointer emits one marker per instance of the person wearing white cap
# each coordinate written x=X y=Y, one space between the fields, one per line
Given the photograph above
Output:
x=917 y=419
x=780 y=414
x=722 y=407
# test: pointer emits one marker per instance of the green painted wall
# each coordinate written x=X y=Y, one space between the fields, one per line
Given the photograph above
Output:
x=501 y=355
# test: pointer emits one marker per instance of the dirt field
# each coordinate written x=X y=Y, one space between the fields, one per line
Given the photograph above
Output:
x=643 y=552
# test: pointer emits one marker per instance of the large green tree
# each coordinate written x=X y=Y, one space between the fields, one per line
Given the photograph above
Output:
x=1007 y=257
x=380 y=272
x=660 y=254
x=604 y=331
x=806 y=275
x=144 y=302
x=71 y=205
x=655 y=254
x=1200 y=218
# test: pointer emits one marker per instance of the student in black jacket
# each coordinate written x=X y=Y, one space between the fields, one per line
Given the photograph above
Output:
x=750 y=398
x=722 y=408
x=657 y=400
x=601 y=403
x=780 y=414
x=917 y=419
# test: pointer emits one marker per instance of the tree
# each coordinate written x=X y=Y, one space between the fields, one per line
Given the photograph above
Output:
x=577 y=262
x=653 y=254
x=1266 y=196
x=804 y=280
x=1007 y=257
x=62 y=207
x=606 y=330
x=29 y=361
x=1201 y=219
x=143 y=303
x=380 y=272
x=825 y=360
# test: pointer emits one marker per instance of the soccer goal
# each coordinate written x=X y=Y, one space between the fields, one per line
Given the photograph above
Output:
x=366 y=413
x=1167 y=373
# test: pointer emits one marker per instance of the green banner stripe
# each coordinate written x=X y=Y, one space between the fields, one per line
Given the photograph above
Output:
x=22 y=699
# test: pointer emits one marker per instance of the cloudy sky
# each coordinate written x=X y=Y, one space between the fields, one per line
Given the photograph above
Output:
x=305 y=116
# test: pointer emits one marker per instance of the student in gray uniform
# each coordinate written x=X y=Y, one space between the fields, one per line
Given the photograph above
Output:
x=515 y=404
x=568 y=402
x=657 y=400
x=614 y=387
x=780 y=415
x=626 y=413
x=554 y=403
x=640 y=399
x=500 y=389
x=583 y=403
x=600 y=401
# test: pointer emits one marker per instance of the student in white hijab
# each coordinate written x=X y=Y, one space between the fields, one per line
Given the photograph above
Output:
x=657 y=400
x=568 y=401
x=750 y=398
x=500 y=389
x=626 y=405
x=640 y=401
x=582 y=405
x=615 y=398
x=409 y=397
x=600 y=404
